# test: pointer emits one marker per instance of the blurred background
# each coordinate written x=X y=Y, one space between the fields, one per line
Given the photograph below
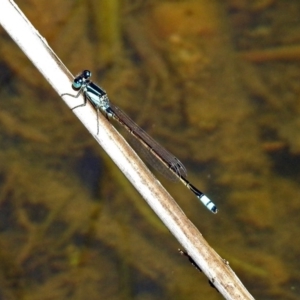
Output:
x=217 y=83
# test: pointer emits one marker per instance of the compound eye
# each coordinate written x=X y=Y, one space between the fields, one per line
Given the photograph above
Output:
x=77 y=83
x=86 y=74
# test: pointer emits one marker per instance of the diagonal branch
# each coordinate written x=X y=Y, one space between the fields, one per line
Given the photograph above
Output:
x=38 y=51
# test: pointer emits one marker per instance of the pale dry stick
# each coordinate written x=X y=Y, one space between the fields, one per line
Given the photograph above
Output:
x=38 y=51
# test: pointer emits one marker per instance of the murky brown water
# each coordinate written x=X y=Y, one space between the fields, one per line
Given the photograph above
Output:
x=217 y=83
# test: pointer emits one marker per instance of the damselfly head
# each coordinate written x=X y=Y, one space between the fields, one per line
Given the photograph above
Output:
x=77 y=82
x=81 y=79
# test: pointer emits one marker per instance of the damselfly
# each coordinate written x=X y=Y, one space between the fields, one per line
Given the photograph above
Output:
x=98 y=98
